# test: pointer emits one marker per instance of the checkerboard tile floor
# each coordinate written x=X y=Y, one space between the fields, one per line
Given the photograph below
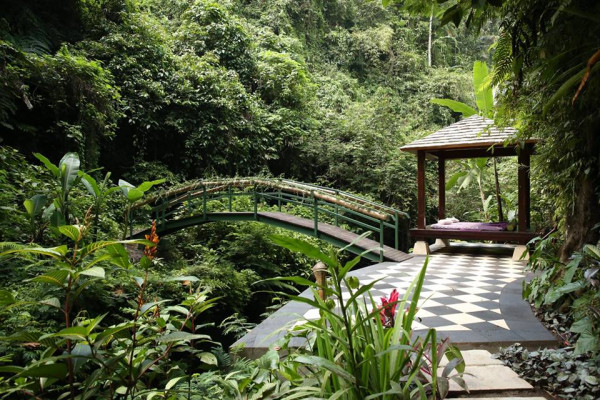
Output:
x=473 y=299
x=460 y=292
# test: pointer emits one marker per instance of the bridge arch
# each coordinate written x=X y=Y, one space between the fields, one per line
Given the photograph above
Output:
x=328 y=214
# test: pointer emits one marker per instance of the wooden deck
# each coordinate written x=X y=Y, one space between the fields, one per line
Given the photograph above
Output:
x=334 y=232
x=494 y=236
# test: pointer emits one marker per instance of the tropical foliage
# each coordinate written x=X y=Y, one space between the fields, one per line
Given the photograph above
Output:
x=119 y=94
x=358 y=349
x=570 y=287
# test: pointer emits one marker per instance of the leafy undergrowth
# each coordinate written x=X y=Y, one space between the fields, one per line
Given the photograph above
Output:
x=559 y=371
x=558 y=323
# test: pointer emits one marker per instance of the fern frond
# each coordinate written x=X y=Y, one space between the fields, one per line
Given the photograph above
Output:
x=10 y=246
x=503 y=58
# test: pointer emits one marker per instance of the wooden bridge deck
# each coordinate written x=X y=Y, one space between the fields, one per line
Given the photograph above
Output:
x=330 y=233
x=389 y=253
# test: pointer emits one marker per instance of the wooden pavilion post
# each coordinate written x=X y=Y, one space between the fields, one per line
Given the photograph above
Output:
x=421 y=224
x=524 y=189
x=441 y=187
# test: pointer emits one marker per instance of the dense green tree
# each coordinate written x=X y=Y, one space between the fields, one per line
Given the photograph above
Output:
x=544 y=52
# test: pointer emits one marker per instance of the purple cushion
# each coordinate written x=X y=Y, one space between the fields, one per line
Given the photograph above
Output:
x=473 y=226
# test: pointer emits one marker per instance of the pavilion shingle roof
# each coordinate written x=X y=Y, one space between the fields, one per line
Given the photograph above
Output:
x=468 y=133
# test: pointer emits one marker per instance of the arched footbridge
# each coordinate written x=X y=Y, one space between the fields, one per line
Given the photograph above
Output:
x=334 y=216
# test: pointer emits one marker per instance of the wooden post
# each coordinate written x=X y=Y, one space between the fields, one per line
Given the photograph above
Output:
x=255 y=203
x=421 y=224
x=320 y=272
x=441 y=187
x=524 y=190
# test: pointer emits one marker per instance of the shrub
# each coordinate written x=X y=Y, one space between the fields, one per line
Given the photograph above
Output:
x=360 y=350
x=570 y=288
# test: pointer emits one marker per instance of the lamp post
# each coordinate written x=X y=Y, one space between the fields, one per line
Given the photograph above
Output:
x=320 y=272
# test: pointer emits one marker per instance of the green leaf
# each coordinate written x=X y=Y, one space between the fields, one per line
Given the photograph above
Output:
x=453 y=353
x=587 y=342
x=6 y=298
x=35 y=205
x=73 y=332
x=125 y=186
x=55 y=252
x=57 y=277
x=303 y=247
x=11 y=369
x=582 y=325
x=69 y=167
x=209 y=358
x=114 y=330
x=328 y=365
x=178 y=309
x=174 y=382
x=455 y=106
x=571 y=287
x=119 y=256
x=58 y=371
x=145 y=186
x=481 y=163
x=182 y=278
x=95 y=246
x=568 y=278
x=564 y=89
x=111 y=190
x=91 y=325
x=52 y=302
x=592 y=251
x=73 y=232
x=484 y=97
x=453 y=14
x=51 y=167
x=97 y=272
x=56 y=217
x=181 y=336
x=90 y=184
x=150 y=305
x=80 y=353
x=29 y=337
x=454 y=179
x=134 y=195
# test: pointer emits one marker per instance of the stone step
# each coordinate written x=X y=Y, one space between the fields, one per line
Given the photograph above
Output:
x=476 y=358
x=490 y=378
x=486 y=374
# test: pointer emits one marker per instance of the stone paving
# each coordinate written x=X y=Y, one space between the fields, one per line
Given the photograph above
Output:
x=487 y=376
x=474 y=299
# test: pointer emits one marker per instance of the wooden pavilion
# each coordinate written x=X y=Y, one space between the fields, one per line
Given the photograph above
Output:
x=471 y=137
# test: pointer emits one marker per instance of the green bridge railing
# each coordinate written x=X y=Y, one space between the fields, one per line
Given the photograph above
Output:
x=325 y=205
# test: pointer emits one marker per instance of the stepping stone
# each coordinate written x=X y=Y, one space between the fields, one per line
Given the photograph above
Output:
x=484 y=378
x=476 y=358
x=486 y=374
x=490 y=378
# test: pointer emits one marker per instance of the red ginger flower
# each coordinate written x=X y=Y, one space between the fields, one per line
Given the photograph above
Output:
x=388 y=309
x=150 y=251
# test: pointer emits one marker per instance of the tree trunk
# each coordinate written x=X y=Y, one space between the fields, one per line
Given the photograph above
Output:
x=482 y=194
x=586 y=204
x=429 y=43
x=498 y=198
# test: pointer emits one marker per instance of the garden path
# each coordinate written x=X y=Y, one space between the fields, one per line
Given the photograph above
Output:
x=473 y=299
